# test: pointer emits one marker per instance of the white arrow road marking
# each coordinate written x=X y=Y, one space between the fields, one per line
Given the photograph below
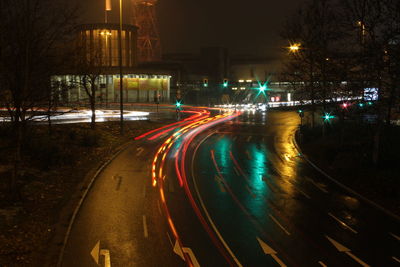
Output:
x=179 y=251
x=342 y=223
x=191 y=256
x=145 y=233
x=95 y=252
x=107 y=258
x=396 y=259
x=322 y=264
x=395 y=236
x=270 y=251
x=280 y=225
x=342 y=248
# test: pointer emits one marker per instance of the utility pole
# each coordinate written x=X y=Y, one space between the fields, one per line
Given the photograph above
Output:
x=120 y=70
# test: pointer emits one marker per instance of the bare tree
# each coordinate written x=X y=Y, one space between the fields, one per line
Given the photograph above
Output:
x=314 y=29
x=89 y=64
x=31 y=33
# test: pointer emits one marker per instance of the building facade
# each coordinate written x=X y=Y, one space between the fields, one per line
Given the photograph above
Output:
x=97 y=55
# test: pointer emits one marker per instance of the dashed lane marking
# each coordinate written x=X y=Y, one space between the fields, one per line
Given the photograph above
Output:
x=248 y=154
x=317 y=185
x=396 y=259
x=236 y=171
x=395 y=236
x=145 y=233
x=279 y=224
x=251 y=192
x=322 y=264
x=159 y=207
x=342 y=223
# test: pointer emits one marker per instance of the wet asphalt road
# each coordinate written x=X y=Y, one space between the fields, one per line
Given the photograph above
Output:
x=261 y=203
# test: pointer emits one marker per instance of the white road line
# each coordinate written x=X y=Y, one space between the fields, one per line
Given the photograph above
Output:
x=170 y=240
x=263 y=139
x=303 y=193
x=144 y=191
x=322 y=264
x=206 y=211
x=395 y=236
x=145 y=233
x=396 y=259
x=220 y=183
x=159 y=207
x=251 y=192
x=236 y=171
x=234 y=138
x=139 y=151
x=248 y=139
x=342 y=223
x=317 y=185
x=280 y=225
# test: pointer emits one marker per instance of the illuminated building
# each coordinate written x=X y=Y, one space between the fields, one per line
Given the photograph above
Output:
x=97 y=49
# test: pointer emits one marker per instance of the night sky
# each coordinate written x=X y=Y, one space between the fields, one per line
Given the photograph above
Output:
x=248 y=27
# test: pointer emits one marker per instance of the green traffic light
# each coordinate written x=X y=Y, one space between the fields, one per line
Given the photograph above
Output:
x=300 y=111
x=225 y=84
x=361 y=105
x=178 y=104
x=328 y=117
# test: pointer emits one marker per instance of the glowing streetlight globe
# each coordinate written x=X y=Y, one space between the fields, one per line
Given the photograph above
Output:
x=294 y=48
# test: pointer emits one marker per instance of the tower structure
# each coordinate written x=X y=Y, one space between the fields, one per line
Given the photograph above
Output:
x=144 y=17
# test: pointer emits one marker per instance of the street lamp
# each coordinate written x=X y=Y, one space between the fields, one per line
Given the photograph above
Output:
x=294 y=48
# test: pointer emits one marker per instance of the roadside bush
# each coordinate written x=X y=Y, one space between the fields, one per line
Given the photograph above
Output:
x=90 y=138
x=48 y=152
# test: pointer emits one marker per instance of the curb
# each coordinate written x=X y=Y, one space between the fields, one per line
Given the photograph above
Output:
x=119 y=150
x=365 y=199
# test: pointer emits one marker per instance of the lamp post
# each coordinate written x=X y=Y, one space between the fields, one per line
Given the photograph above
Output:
x=120 y=70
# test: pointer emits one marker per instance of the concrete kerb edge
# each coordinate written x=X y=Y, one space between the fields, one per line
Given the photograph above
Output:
x=365 y=199
x=82 y=199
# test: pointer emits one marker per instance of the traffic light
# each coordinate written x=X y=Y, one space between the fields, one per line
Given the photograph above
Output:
x=361 y=105
x=263 y=88
x=225 y=83
x=345 y=105
x=301 y=113
x=327 y=116
x=205 y=83
x=178 y=104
